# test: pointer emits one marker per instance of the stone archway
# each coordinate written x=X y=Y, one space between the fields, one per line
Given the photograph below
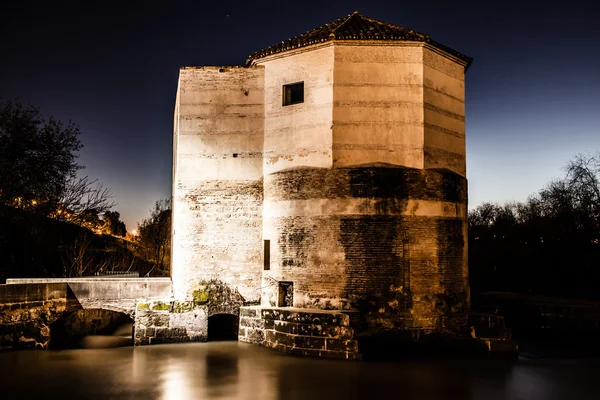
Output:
x=92 y=327
x=223 y=327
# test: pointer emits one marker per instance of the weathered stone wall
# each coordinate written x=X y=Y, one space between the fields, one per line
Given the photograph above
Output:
x=356 y=231
x=170 y=321
x=378 y=104
x=93 y=322
x=300 y=331
x=387 y=241
x=399 y=103
x=26 y=312
x=116 y=294
x=299 y=134
x=444 y=103
x=30 y=308
x=359 y=190
x=217 y=181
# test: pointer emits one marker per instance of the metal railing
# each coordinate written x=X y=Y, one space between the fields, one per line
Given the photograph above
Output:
x=118 y=274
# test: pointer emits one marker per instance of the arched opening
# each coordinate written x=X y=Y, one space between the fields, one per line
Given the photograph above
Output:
x=223 y=327
x=91 y=328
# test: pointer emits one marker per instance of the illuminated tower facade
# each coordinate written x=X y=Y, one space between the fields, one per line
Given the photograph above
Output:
x=328 y=174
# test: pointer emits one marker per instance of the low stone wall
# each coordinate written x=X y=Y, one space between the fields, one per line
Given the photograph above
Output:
x=101 y=289
x=27 y=293
x=298 y=331
x=26 y=312
x=170 y=321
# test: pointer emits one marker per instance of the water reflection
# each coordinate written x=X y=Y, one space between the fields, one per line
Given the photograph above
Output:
x=175 y=382
x=231 y=370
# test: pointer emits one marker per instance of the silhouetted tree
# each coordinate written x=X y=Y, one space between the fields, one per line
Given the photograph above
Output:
x=37 y=157
x=548 y=244
x=38 y=166
x=113 y=224
x=154 y=236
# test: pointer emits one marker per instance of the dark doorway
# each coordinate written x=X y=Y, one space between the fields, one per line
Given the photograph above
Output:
x=223 y=327
x=286 y=294
x=91 y=328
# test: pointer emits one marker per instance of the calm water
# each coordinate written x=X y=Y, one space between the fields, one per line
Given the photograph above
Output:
x=232 y=370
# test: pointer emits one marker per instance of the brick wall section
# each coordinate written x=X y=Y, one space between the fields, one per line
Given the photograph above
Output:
x=379 y=182
x=217 y=180
x=355 y=238
x=300 y=332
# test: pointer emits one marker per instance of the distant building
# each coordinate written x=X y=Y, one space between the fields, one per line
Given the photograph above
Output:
x=328 y=173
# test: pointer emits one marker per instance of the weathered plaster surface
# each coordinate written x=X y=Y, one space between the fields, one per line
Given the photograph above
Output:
x=299 y=134
x=217 y=182
x=378 y=104
x=444 y=101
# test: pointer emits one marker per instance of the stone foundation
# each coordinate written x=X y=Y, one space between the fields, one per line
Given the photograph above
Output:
x=170 y=321
x=306 y=332
x=26 y=313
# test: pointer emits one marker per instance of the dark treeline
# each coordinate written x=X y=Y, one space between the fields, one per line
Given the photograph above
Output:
x=34 y=246
x=55 y=222
x=548 y=245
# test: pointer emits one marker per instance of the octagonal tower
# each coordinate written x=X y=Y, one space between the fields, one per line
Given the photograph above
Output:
x=327 y=174
x=365 y=191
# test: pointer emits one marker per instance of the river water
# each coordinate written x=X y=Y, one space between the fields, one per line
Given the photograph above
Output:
x=232 y=370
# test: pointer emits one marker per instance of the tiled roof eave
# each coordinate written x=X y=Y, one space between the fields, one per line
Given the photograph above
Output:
x=271 y=52
x=355 y=27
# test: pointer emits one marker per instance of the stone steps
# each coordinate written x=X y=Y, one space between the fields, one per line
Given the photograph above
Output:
x=303 y=332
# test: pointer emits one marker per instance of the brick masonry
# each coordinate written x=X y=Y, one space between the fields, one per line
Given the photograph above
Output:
x=349 y=239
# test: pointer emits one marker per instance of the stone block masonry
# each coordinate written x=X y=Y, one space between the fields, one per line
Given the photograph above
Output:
x=299 y=331
x=26 y=313
x=170 y=321
x=31 y=310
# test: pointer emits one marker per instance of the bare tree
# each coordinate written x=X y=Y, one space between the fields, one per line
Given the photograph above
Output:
x=81 y=198
x=583 y=180
x=77 y=260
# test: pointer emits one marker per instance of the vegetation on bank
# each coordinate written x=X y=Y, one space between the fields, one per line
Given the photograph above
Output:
x=54 y=222
x=549 y=244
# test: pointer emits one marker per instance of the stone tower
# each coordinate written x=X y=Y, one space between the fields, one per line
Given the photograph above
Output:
x=328 y=174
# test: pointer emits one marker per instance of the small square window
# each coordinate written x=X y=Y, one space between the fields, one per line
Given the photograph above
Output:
x=293 y=93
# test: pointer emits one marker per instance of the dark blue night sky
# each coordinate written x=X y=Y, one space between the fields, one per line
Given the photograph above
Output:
x=533 y=90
